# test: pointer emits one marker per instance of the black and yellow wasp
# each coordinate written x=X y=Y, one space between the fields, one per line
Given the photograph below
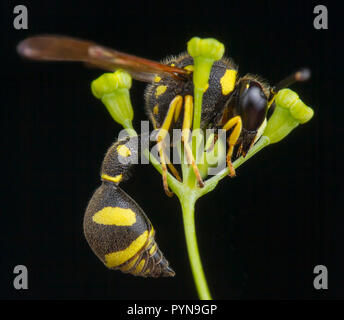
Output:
x=116 y=228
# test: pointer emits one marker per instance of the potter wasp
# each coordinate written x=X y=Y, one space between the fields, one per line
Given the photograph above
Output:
x=115 y=226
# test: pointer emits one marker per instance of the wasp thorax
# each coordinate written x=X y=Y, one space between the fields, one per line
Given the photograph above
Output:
x=252 y=104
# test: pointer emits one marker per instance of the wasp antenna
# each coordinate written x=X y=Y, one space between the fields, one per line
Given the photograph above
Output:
x=301 y=75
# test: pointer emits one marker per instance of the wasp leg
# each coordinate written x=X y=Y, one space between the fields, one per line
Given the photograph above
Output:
x=213 y=142
x=164 y=168
x=174 y=105
x=236 y=124
x=188 y=112
x=173 y=169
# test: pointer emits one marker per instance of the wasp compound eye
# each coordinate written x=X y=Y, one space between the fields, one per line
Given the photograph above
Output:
x=252 y=105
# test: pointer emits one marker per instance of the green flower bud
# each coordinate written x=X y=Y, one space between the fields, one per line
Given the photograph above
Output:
x=290 y=111
x=288 y=99
x=113 y=90
x=207 y=48
x=204 y=53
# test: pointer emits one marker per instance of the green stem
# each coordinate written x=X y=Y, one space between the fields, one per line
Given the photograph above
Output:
x=188 y=205
x=197 y=109
x=211 y=183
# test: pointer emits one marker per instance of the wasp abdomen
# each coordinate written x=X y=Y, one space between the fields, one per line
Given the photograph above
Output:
x=149 y=263
x=116 y=228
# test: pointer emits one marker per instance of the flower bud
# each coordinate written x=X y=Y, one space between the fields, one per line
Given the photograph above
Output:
x=113 y=90
x=204 y=53
x=290 y=111
x=207 y=48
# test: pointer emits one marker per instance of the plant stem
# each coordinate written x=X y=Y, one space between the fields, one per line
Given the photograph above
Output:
x=188 y=206
x=211 y=183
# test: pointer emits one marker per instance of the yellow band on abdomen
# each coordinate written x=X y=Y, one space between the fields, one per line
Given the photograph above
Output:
x=115 y=216
x=115 y=179
x=116 y=258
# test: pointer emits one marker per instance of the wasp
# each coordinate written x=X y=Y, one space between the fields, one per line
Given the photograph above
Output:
x=239 y=105
x=115 y=226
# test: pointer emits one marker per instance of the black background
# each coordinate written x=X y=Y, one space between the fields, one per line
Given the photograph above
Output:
x=260 y=234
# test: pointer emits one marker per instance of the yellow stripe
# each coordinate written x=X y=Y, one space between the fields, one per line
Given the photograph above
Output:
x=139 y=267
x=147 y=271
x=123 y=150
x=115 y=216
x=160 y=90
x=190 y=67
x=152 y=249
x=130 y=264
x=228 y=81
x=157 y=79
x=115 y=179
x=116 y=258
x=156 y=109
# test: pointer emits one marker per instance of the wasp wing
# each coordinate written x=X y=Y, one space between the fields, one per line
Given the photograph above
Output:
x=62 y=48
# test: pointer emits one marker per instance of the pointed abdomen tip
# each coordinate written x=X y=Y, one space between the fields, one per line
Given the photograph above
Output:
x=168 y=272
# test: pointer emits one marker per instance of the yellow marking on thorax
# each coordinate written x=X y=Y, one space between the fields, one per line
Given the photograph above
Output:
x=115 y=179
x=206 y=87
x=123 y=150
x=157 y=79
x=115 y=216
x=173 y=65
x=228 y=81
x=156 y=109
x=116 y=258
x=160 y=90
x=190 y=67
